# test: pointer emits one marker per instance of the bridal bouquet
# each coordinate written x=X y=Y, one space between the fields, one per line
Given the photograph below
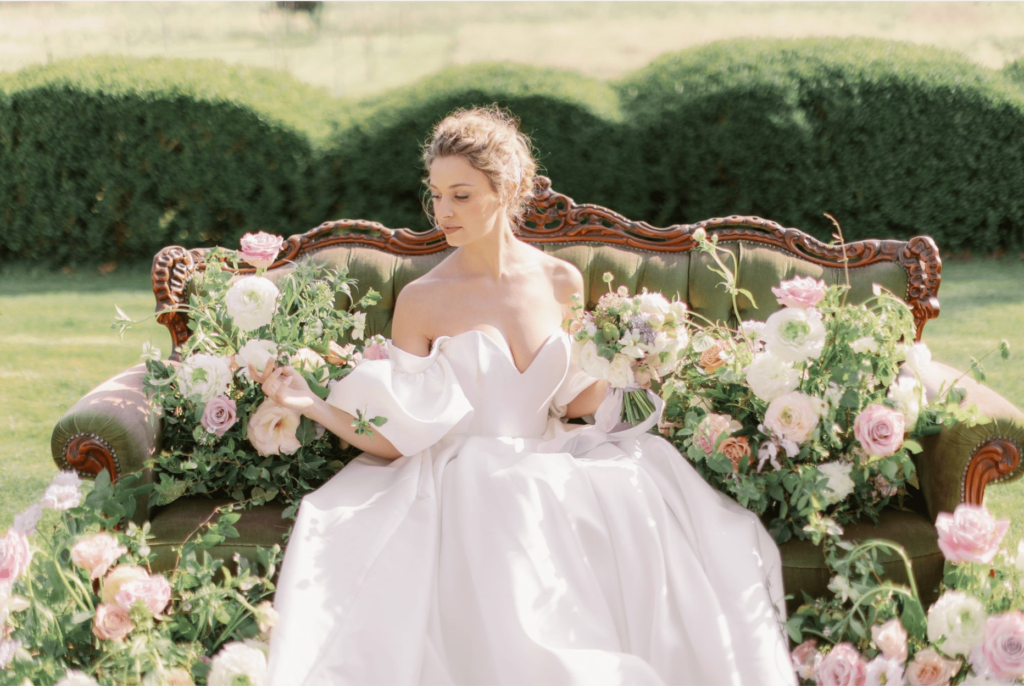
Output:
x=220 y=433
x=812 y=416
x=81 y=606
x=630 y=341
x=876 y=632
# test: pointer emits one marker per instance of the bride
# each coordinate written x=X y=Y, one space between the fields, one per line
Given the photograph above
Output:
x=480 y=539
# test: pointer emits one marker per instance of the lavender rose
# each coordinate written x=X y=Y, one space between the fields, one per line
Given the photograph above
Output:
x=843 y=666
x=879 y=430
x=261 y=249
x=970 y=534
x=219 y=415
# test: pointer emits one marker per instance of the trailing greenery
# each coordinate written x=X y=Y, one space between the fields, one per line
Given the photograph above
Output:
x=109 y=158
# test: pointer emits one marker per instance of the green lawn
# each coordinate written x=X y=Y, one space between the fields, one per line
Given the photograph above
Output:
x=57 y=343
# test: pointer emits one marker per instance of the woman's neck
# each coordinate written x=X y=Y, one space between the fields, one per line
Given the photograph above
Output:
x=495 y=255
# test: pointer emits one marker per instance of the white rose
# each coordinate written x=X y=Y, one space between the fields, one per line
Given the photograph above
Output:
x=73 y=677
x=794 y=334
x=959 y=618
x=919 y=357
x=908 y=394
x=238 y=661
x=251 y=302
x=256 y=352
x=592 y=363
x=678 y=310
x=308 y=360
x=769 y=377
x=620 y=373
x=868 y=344
x=358 y=326
x=792 y=416
x=654 y=304
x=839 y=483
x=204 y=376
x=272 y=429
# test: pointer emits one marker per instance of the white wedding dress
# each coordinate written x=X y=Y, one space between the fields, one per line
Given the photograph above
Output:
x=507 y=547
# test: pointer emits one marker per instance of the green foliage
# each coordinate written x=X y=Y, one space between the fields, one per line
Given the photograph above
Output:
x=107 y=158
x=893 y=139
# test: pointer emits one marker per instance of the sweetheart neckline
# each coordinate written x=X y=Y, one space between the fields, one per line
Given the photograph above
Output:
x=506 y=349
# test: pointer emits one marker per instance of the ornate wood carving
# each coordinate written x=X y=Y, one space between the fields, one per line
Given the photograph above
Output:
x=88 y=454
x=556 y=218
x=993 y=460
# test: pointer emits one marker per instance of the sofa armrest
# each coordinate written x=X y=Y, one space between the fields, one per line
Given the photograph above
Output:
x=113 y=427
x=959 y=462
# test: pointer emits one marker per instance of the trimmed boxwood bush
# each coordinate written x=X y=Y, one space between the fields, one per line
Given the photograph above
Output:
x=893 y=139
x=108 y=158
x=376 y=168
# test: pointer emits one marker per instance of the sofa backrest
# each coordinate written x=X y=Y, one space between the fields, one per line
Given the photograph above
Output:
x=598 y=240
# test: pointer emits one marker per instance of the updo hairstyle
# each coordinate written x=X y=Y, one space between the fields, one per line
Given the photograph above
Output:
x=489 y=139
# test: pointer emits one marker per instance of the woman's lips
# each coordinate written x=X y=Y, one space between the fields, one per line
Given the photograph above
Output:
x=450 y=229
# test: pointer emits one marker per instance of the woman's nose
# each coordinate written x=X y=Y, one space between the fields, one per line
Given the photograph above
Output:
x=444 y=208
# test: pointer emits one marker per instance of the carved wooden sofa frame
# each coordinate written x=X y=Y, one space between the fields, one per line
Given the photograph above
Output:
x=113 y=429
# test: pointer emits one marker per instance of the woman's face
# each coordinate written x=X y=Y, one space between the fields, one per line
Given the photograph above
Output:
x=466 y=206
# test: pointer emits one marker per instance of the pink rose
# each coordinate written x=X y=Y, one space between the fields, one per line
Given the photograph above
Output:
x=800 y=291
x=111 y=622
x=843 y=666
x=117 y=577
x=261 y=249
x=805 y=658
x=891 y=639
x=929 y=668
x=792 y=416
x=970 y=534
x=219 y=415
x=153 y=592
x=711 y=427
x=377 y=351
x=15 y=556
x=879 y=430
x=1003 y=646
x=96 y=553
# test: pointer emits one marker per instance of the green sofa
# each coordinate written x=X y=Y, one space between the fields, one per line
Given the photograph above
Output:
x=113 y=428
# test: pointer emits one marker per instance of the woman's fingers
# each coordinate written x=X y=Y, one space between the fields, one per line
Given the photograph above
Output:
x=273 y=382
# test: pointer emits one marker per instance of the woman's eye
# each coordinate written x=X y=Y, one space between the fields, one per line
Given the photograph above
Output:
x=462 y=197
x=435 y=198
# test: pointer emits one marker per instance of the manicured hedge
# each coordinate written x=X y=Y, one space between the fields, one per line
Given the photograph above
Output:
x=375 y=164
x=107 y=158
x=894 y=140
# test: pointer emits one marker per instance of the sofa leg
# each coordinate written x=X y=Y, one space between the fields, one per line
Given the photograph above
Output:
x=88 y=454
x=993 y=460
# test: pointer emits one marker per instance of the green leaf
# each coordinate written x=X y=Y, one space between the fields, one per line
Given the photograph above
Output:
x=379 y=421
x=913 y=618
x=913 y=446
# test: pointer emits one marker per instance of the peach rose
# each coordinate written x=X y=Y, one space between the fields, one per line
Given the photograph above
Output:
x=891 y=639
x=843 y=666
x=800 y=291
x=929 y=668
x=340 y=354
x=879 y=430
x=96 y=553
x=116 y=577
x=711 y=359
x=272 y=429
x=111 y=622
x=711 y=427
x=261 y=249
x=792 y=416
x=970 y=534
x=735 y=448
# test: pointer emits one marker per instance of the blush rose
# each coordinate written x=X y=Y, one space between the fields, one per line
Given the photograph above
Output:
x=800 y=291
x=879 y=430
x=970 y=534
x=96 y=553
x=843 y=666
x=929 y=668
x=261 y=249
x=15 y=556
x=792 y=416
x=153 y=592
x=272 y=429
x=111 y=622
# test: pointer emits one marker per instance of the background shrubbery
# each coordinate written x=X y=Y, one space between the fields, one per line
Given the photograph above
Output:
x=106 y=158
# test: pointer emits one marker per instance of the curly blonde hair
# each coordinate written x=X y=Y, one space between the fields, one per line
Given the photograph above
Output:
x=489 y=139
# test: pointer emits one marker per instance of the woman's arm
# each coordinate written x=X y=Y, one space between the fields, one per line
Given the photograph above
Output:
x=588 y=400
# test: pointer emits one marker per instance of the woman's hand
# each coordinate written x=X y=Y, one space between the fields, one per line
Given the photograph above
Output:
x=285 y=386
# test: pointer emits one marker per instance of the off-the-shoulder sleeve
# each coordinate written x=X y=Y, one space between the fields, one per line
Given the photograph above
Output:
x=575 y=382
x=420 y=397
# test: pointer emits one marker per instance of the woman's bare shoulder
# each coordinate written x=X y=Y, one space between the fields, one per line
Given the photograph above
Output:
x=415 y=314
x=566 y=278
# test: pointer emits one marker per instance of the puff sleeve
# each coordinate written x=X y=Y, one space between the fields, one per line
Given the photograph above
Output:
x=420 y=397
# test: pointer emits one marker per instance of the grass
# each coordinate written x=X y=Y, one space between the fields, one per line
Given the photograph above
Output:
x=57 y=344
x=362 y=48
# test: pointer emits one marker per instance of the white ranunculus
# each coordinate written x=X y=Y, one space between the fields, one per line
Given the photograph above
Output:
x=769 y=377
x=794 y=334
x=308 y=360
x=358 y=326
x=592 y=363
x=908 y=394
x=251 y=302
x=272 y=428
x=258 y=353
x=960 y=618
x=204 y=376
x=919 y=357
x=654 y=303
x=751 y=329
x=620 y=372
x=237 y=661
x=839 y=485
x=72 y=677
x=868 y=344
